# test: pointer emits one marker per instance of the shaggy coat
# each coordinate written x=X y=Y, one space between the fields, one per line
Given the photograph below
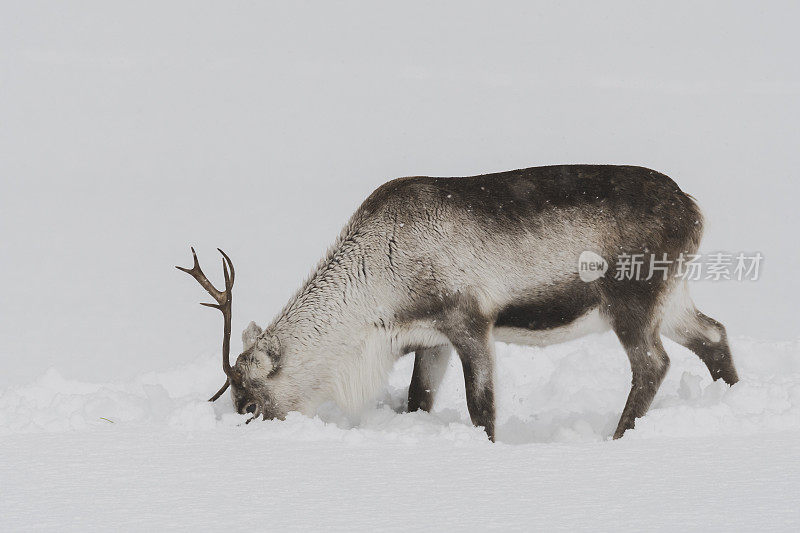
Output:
x=437 y=265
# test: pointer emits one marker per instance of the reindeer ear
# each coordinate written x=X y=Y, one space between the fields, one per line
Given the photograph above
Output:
x=250 y=335
x=269 y=344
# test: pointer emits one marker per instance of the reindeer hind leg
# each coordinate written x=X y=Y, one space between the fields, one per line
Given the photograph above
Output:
x=703 y=335
x=634 y=313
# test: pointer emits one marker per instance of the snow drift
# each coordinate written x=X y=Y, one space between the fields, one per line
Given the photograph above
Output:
x=152 y=453
x=571 y=392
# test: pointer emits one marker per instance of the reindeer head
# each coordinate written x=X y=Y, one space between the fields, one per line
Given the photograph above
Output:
x=263 y=389
x=254 y=381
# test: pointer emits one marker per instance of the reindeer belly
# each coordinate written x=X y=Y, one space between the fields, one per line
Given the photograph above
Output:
x=540 y=322
x=589 y=322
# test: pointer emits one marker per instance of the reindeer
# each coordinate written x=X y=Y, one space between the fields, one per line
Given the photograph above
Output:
x=437 y=265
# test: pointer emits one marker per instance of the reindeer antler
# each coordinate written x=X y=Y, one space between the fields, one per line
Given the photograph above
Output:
x=224 y=299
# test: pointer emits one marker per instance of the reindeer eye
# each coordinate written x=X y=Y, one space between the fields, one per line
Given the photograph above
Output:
x=251 y=407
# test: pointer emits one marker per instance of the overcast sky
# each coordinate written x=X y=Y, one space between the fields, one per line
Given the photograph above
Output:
x=129 y=132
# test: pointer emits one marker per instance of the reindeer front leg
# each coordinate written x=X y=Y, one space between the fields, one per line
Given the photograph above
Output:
x=475 y=346
x=430 y=365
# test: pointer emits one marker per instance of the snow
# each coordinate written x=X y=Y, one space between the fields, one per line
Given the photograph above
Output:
x=151 y=453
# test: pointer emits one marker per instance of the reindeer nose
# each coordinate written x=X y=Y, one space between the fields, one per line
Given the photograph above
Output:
x=251 y=407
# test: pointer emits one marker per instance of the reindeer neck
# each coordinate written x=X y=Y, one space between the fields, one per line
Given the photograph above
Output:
x=333 y=301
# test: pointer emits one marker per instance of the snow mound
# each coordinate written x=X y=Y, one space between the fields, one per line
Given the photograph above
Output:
x=573 y=392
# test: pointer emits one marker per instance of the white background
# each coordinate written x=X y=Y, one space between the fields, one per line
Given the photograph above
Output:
x=129 y=132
